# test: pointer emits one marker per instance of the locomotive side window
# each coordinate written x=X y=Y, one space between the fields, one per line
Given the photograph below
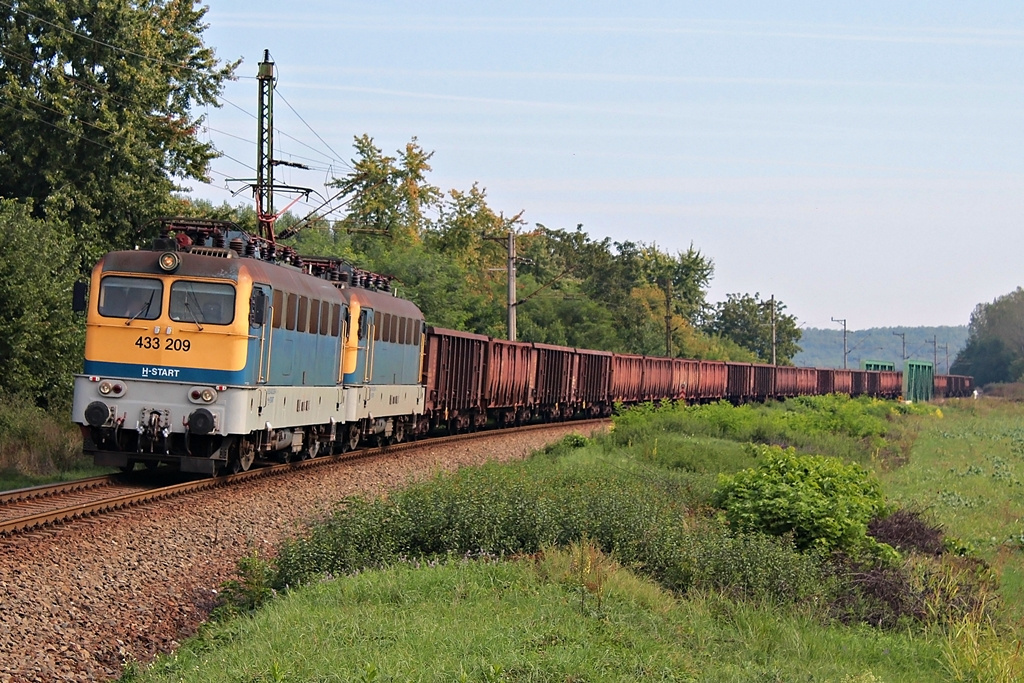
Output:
x=314 y=316
x=325 y=318
x=403 y=325
x=130 y=297
x=278 y=308
x=336 y=320
x=209 y=303
x=417 y=330
x=303 y=313
x=293 y=307
x=381 y=328
x=364 y=324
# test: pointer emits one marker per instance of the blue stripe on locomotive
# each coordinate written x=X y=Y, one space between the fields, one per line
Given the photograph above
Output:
x=166 y=373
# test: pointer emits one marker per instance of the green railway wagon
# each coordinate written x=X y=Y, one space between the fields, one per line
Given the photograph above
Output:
x=918 y=380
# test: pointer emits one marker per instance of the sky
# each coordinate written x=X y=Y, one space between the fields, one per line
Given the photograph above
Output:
x=860 y=161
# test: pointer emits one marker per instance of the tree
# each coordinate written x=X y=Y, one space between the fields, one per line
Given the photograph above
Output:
x=40 y=339
x=96 y=105
x=388 y=195
x=747 y=320
x=995 y=341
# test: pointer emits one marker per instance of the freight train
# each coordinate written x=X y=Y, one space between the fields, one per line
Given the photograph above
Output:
x=217 y=347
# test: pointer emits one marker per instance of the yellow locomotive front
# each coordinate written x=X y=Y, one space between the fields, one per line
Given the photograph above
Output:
x=167 y=334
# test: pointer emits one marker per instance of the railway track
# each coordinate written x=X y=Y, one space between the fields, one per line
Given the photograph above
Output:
x=50 y=505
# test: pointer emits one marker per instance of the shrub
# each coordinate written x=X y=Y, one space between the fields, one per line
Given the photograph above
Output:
x=924 y=589
x=906 y=530
x=823 y=503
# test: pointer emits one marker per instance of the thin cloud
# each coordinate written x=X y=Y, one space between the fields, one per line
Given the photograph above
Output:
x=972 y=36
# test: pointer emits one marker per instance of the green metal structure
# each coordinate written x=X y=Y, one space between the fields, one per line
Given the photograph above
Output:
x=918 y=380
x=877 y=365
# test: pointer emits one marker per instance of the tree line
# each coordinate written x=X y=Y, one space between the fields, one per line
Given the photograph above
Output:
x=98 y=138
x=995 y=341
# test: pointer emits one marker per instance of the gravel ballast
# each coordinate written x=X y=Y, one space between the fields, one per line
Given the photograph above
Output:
x=78 y=601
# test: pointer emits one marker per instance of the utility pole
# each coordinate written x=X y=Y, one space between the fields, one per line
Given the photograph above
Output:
x=934 y=341
x=511 y=284
x=264 y=189
x=903 y=336
x=510 y=267
x=845 y=352
x=773 y=329
x=668 y=318
x=946 y=348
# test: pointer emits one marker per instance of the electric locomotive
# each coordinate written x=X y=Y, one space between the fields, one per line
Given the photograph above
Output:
x=216 y=347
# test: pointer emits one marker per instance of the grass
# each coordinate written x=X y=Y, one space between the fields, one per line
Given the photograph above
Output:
x=967 y=472
x=525 y=621
x=618 y=567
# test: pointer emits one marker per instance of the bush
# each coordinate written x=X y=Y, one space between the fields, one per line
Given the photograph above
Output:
x=824 y=504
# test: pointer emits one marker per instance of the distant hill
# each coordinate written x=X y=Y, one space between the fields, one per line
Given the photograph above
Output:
x=824 y=348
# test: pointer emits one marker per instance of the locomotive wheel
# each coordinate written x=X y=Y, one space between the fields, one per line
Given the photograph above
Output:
x=312 y=450
x=351 y=440
x=398 y=434
x=241 y=456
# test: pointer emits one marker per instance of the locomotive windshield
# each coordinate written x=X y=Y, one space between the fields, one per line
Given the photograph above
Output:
x=130 y=297
x=208 y=303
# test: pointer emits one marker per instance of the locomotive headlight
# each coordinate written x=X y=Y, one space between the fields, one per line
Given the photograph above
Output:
x=108 y=388
x=202 y=395
x=169 y=261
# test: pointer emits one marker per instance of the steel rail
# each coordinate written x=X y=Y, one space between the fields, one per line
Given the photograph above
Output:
x=47 y=490
x=120 y=502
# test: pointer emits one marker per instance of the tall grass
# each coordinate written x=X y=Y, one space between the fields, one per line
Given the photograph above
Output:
x=504 y=511
x=36 y=445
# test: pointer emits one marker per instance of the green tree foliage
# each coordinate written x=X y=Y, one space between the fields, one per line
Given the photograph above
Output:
x=40 y=340
x=388 y=195
x=747 y=320
x=995 y=341
x=97 y=105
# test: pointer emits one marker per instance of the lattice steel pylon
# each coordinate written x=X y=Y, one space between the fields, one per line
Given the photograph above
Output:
x=264 y=190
